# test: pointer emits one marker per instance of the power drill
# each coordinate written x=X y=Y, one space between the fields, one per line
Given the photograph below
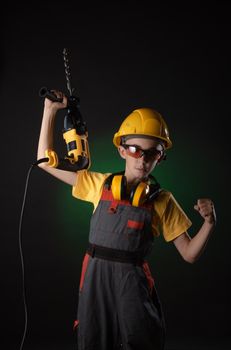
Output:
x=75 y=131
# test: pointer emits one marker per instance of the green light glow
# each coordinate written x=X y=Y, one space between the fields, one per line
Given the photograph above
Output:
x=177 y=174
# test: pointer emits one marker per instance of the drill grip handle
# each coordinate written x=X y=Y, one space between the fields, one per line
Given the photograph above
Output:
x=44 y=92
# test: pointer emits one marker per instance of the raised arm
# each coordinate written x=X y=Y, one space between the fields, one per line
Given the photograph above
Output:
x=192 y=248
x=46 y=138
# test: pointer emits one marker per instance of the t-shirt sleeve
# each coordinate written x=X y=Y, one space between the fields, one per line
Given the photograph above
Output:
x=89 y=186
x=170 y=218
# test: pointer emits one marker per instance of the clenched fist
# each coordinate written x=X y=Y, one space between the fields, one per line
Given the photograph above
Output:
x=206 y=209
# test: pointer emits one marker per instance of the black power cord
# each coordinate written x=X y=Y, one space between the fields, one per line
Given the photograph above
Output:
x=42 y=160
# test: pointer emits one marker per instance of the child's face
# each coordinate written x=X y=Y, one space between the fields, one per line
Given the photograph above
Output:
x=139 y=165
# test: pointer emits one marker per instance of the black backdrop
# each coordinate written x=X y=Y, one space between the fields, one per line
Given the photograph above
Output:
x=172 y=57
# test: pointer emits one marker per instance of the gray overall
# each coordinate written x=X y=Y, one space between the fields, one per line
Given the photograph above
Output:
x=118 y=305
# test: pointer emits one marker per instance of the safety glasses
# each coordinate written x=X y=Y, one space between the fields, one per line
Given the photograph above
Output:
x=137 y=152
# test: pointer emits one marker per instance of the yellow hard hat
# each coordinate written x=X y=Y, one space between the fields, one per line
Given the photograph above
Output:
x=144 y=122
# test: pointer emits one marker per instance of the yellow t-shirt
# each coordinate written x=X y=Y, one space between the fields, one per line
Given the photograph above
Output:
x=168 y=219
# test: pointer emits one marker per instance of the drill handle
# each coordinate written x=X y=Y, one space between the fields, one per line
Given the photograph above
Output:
x=44 y=92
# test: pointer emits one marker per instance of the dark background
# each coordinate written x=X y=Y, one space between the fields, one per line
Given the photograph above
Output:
x=123 y=56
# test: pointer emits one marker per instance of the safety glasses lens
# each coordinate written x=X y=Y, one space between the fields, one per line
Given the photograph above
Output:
x=137 y=152
x=134 y=152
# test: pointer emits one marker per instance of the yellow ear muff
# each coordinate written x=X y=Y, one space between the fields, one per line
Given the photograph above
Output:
x=118 y=187
x=139 y=194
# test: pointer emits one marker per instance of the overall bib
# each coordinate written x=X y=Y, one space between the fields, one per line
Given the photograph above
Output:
x=118 y=304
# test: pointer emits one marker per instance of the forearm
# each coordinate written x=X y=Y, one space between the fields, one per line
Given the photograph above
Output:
x=197 y=244
x=46 y=133
x=192 y=248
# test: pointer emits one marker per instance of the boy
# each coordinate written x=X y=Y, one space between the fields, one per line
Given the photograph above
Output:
x=118 y=304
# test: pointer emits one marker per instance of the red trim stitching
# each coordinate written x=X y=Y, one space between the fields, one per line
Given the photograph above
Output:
x=148 y=275
x=108 y=196
x=76 y=323
x=84 y=268
x=135 y=224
